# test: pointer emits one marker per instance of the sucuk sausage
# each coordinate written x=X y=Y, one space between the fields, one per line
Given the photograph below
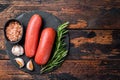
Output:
x=32 y=35
x=45 y=46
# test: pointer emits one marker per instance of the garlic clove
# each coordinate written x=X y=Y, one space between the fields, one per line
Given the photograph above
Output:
x=17 y=50
x=30 y=65
x=20 y=62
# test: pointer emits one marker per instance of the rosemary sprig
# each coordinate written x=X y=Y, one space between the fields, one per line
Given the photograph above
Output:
x=59 y=52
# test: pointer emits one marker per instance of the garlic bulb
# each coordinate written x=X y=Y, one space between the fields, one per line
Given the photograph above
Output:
x=20 y=62
x=29 y=65
x=17 y=50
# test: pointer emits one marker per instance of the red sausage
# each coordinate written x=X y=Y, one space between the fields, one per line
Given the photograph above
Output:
x=32 y=35
x=45 y=46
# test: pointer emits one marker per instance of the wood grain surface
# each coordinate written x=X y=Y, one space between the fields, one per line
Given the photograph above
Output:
x=94 y=32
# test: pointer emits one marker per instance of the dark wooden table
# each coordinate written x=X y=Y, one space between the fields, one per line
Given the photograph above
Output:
x=94 y=32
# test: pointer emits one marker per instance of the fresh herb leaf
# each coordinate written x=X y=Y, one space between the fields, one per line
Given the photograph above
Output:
x=60 y=52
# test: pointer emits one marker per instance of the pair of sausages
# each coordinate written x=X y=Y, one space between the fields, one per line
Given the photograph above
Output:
x=40 y=48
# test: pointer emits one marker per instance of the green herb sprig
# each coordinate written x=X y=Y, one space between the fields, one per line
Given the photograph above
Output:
x=59 y=52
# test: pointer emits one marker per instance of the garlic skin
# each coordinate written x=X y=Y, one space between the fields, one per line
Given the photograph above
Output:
x=17 y=50
x=29 y=65
x=20 y=62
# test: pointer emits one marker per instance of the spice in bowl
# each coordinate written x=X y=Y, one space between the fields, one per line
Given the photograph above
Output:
x=13 y=30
